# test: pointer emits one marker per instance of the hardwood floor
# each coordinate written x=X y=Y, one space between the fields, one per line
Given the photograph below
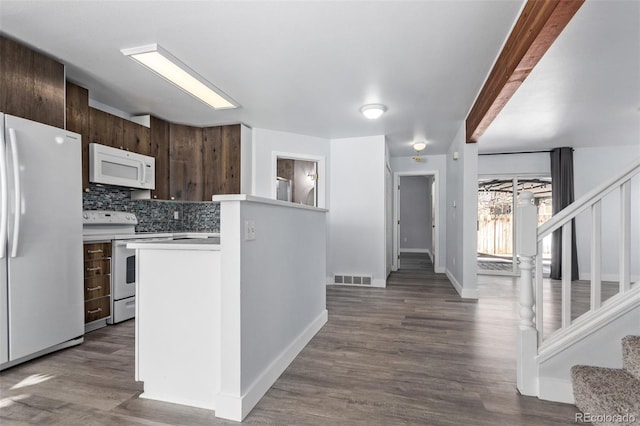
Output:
x=413 y=353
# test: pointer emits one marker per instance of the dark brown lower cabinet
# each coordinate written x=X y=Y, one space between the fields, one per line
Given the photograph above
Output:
x=97 y=281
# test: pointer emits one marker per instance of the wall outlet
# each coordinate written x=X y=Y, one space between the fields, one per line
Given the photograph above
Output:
x=176 y=215
x=249 y=230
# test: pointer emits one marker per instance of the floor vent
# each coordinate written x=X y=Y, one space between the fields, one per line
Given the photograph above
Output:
x=352 y=279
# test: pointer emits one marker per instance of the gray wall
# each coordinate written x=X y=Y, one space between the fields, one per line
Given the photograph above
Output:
x=415 y=213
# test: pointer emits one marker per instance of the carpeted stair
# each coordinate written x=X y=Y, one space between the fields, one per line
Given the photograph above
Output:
x=610 y=396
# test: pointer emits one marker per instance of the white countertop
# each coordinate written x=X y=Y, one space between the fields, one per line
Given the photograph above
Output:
x=143 y=235
x=197 y=243
x=254 y=199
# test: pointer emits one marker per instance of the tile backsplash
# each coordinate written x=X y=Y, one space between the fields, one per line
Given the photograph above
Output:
x=154 y=215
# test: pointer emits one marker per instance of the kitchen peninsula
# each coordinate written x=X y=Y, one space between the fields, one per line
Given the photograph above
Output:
x=218 y=320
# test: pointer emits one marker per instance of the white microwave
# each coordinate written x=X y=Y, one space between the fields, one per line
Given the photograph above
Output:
x=114 y=166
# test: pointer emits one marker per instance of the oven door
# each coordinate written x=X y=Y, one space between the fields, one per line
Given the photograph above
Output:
x=124 y=271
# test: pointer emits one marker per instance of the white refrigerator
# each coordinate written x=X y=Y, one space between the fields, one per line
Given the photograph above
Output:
x=41 y=278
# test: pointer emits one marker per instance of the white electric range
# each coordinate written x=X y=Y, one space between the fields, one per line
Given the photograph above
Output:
x=119 y=228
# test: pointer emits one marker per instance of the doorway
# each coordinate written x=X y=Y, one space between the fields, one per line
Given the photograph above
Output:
x=416 y=220
x=497 y=200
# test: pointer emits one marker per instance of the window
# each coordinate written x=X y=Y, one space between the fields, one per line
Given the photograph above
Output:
x=497 y=198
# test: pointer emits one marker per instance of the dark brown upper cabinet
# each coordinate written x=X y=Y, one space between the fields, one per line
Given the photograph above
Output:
x=221 y=160
x=32 y=85
x=136 y=138
x=78 y=121
x=185 y=163
x=105 y=128
x=160 y=151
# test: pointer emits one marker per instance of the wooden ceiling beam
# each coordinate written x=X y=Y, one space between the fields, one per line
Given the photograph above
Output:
x=539 y=24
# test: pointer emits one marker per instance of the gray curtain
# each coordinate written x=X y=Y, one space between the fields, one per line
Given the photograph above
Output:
x=562 y=195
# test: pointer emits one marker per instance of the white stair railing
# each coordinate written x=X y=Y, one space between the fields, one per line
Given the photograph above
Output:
x=529 y=249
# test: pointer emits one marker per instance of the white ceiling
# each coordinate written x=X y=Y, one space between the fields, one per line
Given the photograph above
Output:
x=307 y=67
x=584 y=92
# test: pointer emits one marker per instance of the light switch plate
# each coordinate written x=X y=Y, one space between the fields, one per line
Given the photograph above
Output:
x=249 y=230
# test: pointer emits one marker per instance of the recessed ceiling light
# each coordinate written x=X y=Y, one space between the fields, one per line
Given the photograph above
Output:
x=419 y=146
x=167 y=66
x=373 y=111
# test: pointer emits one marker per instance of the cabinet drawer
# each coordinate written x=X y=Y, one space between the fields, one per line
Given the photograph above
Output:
x=93 y=268
x=97 y=251
x=97 y=308
x=97 y=286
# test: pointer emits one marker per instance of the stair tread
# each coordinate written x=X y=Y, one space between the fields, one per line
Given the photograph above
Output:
x=605 y=390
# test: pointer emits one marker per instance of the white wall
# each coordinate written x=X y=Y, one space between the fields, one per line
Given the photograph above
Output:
x=429 y=165
x=357 y=208
x=462 y=215
x=591 y=167
x=266 y=143
x=415 y=214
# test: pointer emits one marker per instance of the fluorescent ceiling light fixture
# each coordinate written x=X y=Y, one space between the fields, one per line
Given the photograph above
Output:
x=419 y=146
x=373 y=111
x=170 y=68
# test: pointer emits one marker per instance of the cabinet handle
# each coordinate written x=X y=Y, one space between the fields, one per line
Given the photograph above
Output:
x=95 y=311
x=94 y=251
x=94 y=288
x=97 y=268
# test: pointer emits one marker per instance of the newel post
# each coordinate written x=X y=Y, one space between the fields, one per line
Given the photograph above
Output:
x=526 y=247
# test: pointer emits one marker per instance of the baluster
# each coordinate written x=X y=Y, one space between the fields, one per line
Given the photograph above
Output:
x=539 y=293
x=625 y=236
x=526 y=292
x=596 y=259
x=566 y=274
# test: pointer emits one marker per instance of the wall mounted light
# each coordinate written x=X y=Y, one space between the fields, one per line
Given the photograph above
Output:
x=167 y=66
x=373 y=111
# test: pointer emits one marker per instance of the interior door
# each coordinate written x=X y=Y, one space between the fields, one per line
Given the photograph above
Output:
x=397 y=226
x=45 y=251
x=388 y=203
x=433 y=221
